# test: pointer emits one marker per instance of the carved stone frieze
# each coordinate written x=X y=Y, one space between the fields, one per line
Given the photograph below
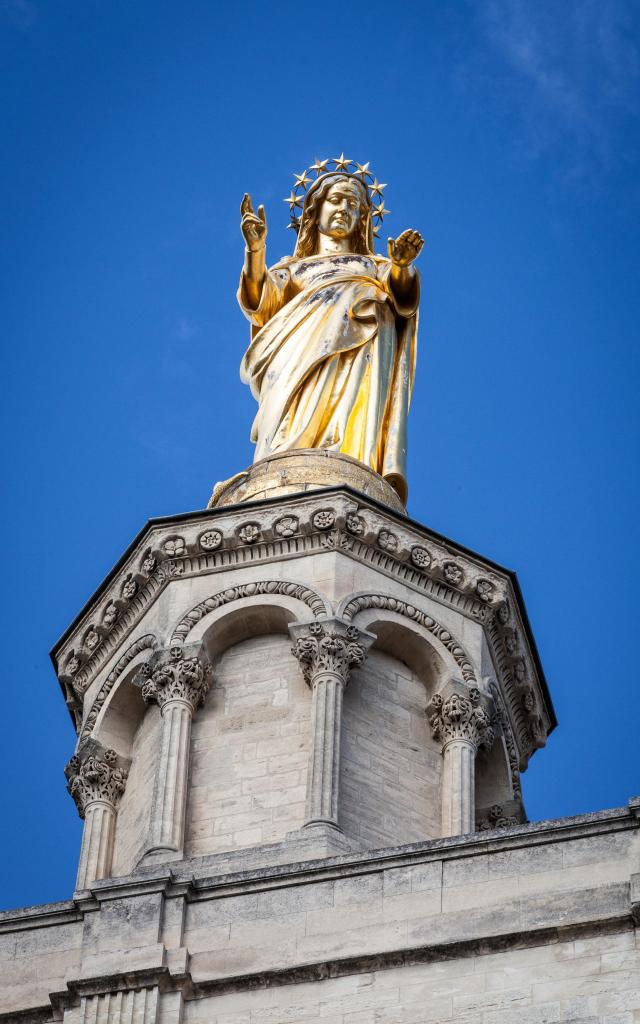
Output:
x=324 y=519
x=502 y=720
x=288 y=526
x=355 y=524
x=459 y=717
x=331 y=647
x=209 y=542
x=485 y=590
x=388 y=541
x=453 y=573
x=420 y=557
x=174 y=547
x=180 y=679
x=249 y=533
x=96 y=775
x=337 y=540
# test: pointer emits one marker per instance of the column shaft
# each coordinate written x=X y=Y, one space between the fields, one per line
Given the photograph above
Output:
x=458 y=787
x=170 y=791
x=324 y=763
x=97 y=842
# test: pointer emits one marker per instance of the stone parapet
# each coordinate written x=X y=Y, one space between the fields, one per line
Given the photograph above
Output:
x=201 y=941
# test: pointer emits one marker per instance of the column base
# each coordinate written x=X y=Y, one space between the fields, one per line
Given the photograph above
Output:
x=323 y=839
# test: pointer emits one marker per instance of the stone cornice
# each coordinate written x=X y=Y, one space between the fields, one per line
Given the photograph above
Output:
x=337 y=519
x=201 y=879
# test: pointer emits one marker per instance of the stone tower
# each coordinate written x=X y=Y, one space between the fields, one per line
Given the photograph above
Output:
x=302 y=721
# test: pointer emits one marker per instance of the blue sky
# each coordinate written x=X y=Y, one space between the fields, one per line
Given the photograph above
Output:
x=508 y=133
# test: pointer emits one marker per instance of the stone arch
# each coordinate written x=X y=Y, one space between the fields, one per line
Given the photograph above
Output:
x=262 y=588
x=139 y=646
x=356 y=603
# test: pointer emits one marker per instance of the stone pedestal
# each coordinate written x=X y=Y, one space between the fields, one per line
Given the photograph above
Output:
x=300 y=471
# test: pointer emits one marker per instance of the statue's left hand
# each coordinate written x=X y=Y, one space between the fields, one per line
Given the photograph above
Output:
x=404 y=249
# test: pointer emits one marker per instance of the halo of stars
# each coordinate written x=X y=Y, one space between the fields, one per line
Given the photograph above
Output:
x=318 y=169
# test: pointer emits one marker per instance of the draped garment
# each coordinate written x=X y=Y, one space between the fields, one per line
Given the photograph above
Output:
x=331 y=361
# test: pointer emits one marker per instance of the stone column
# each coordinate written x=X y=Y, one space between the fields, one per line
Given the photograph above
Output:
x=179 y=687
x=462 y=726
x=327 y=650
x=96 y=781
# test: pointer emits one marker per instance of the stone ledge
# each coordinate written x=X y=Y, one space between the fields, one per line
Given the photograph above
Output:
x=409 y=957
x=188 y=877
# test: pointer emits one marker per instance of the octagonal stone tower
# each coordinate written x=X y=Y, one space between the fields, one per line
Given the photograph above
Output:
x=302 y=721
x=293 y=674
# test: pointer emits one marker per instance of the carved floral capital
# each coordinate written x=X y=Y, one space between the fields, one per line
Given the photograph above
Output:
x=459 y=717
x=332 y=647
x=497 y=818
x=95 y=776
x=184 y=679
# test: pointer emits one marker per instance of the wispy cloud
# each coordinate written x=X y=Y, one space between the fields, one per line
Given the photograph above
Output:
x=22 y=14
x=573 y=71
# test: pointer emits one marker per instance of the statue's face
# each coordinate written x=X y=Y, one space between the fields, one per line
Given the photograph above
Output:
x=341 y=210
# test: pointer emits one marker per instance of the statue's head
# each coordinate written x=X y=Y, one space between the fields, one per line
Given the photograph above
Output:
x=337 y=205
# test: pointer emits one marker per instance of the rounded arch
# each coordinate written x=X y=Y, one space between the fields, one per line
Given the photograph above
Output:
x=139 y=646
x=355 y=604
x=297 y=592
x=246 y=618
x=406 y=641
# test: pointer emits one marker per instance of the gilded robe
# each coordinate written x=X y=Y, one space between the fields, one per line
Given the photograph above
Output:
x=331 y=361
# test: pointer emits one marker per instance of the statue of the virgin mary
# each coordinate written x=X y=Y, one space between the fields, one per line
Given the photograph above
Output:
x=334 y=327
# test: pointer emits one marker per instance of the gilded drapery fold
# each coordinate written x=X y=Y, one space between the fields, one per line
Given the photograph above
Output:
x=331 y=361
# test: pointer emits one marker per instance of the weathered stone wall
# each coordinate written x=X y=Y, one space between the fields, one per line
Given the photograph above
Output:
x=537 y=923
x=390 y=765
x=593 y=980
x=249 y=750
x=36 y=951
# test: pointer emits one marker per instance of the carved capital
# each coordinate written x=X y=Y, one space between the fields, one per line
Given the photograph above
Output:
x=331 y=647
x=460 y=717
x=180 y=678
x=496 y=817
x=96 y=774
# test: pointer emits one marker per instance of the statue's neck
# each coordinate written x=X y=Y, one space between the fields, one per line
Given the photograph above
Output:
x=328 y=246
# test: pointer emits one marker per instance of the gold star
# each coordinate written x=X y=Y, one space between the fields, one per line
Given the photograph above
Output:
x=376 y=232
x=342 y=162
x=294 y=224
x=363 y=170
x=376 y=188
x=320 y=166
x=302 y=180
x=293 y=200
x=380 y=210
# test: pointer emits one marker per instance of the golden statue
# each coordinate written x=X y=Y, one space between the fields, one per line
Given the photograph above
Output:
x=334 y=327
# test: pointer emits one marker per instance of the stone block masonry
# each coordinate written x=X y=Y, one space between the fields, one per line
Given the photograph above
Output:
x=302 y=723
x=533 y=923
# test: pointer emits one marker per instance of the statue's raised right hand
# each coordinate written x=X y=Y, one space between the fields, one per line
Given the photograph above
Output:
x=253 y=226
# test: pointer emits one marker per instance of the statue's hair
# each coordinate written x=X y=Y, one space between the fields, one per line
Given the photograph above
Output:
x=307 y=244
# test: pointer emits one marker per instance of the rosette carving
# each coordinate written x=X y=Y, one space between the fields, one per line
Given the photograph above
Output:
x=459 y=717
x=184 y=679
x=95 y=776
x=325 y=648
